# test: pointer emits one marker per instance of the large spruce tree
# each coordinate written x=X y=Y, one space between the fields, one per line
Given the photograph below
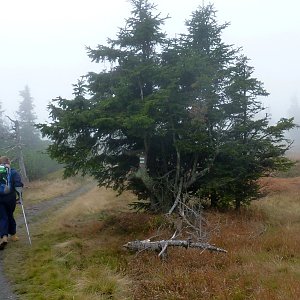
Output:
x=171 y=119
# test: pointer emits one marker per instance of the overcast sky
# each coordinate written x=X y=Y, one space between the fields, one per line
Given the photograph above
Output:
x=43 y=43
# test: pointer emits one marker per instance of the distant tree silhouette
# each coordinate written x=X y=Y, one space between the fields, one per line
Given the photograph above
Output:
x=26 y=116
x=294 y=112
x=3 y=125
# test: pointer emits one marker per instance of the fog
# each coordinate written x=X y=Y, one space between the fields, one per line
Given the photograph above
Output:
x=43 y=44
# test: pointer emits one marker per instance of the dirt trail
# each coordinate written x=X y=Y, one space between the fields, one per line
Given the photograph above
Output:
x=32 y=214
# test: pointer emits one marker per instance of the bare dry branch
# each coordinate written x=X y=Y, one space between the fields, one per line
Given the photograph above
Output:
x=163 y=244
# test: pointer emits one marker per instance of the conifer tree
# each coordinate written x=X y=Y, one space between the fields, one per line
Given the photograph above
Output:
x=251 y=147
x=294 y=112
x=5 y=134
x=171 y=119
x=27 y=118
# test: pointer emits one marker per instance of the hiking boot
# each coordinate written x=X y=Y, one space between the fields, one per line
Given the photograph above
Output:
x=3 y=242
x=14 y=238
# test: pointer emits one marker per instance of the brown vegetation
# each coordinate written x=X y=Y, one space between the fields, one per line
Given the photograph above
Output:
x=262 y=261
x=82 y=245
x=276 y=184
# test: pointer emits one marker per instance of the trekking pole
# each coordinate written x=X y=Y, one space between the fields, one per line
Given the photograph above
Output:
x=19 y=191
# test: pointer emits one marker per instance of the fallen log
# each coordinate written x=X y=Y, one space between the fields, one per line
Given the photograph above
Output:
x=162 y=245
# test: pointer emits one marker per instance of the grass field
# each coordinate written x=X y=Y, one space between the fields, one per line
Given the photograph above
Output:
x=77 y=253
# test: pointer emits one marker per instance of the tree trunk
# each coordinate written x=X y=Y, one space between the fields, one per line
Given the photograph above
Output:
x=20 y=154
x=237 y=204
x=163 y=244
x=214 y=199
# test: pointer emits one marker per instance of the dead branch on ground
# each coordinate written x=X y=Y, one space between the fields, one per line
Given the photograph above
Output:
x=191 y=232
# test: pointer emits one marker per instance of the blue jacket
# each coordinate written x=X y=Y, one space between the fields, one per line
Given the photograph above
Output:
x=16 y=181
x=16 y=178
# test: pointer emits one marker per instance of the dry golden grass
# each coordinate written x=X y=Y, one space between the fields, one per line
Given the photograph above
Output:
x=263 y=259
x=94 y=201
x=79 y=255
x=96 y=276
x=282 y=208
x=262 y=263
x=283 y=202
x=67 y=257
x=41 y=190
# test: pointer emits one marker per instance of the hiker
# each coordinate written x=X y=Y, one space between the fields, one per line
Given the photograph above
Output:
x=10 y=180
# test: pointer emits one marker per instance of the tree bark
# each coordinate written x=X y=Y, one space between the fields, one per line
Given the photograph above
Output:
x=163 y=244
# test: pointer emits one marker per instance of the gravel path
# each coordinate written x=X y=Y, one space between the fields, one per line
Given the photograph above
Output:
x=32 y=214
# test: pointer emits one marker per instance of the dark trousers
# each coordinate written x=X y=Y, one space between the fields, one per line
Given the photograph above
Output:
x=7 y=220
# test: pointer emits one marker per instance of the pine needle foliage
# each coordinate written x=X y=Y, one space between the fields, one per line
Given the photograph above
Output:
x=171 y=118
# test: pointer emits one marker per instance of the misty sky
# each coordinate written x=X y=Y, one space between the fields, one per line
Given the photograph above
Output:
x=43 y=43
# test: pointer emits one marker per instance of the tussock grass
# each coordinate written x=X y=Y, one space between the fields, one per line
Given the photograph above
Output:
x=262 y=263
x=294 y=171
x=69 y=258
x=78 y=254
x=282 y=208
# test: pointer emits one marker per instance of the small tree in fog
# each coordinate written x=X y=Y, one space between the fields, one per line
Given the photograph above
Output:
x=5 y=134
x=27 y=118
x=294 y=112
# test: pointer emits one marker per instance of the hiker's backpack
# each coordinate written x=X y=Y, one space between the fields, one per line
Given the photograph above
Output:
x=5 y=180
